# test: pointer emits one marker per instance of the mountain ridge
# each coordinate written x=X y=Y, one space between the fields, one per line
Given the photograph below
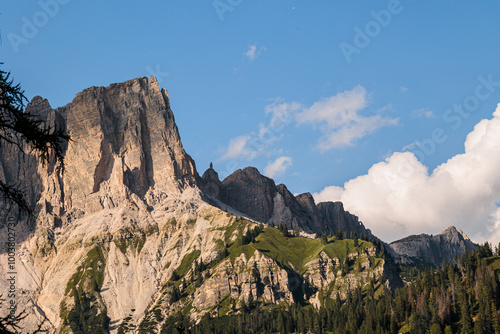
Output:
x=130 y=230
x=256 y=195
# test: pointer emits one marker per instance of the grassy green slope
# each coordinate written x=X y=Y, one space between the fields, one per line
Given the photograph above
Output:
x=292 y=252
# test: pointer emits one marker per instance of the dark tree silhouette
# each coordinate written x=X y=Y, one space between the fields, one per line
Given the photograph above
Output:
x=10 y=324
x=25 y=130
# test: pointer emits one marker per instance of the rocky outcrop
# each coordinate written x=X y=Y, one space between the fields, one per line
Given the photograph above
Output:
x=211 y=183
x=255 y=277
x=250 y=192
x=257 y=196
x=447 y=245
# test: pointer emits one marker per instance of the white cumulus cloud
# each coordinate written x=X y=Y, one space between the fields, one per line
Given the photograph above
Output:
x=329 y=194
x=277 y=167
x=340 y=120
x=399 y=196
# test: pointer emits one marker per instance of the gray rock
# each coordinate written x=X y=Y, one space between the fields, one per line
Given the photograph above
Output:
x=257 y=196
x=211 y=183
x=447 y=245
x=125 y=159
x=250 y=192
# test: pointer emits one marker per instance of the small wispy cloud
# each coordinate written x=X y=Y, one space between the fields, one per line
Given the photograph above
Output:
x=403 y=89
x=277 y=167
x=340 y=120
x=409 y=147
x=282 y=113
x=254 y=51
x=262 y=142
x=238 y=148
x=422 y=113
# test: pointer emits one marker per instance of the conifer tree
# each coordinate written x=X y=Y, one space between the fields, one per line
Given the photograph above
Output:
x=466 y=320
x=495 y=322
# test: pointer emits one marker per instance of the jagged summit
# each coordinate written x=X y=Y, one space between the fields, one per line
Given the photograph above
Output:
x=257 y=196
x=211 y=182
x=433 y=249
x=452 y=230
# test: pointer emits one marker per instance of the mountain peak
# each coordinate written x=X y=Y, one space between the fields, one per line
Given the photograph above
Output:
x=250 y=192
x=433 y=249
x=453 y=230
x=124 y=143
x=450 y=230
x=128 y=130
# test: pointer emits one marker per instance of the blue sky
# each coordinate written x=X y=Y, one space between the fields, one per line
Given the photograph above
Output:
x=312 y=94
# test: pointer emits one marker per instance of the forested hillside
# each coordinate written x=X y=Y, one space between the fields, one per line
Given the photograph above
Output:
x=453 y=298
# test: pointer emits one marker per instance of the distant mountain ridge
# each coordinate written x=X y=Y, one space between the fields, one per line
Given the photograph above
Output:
x=446 y=245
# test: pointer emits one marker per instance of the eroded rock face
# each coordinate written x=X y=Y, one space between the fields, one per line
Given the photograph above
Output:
x=340 y=219
x=256 y=277
x=433 y=249
x=124 y=143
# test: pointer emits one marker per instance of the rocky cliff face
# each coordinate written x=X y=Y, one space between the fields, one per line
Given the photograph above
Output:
x=125 y=235
x=125 y=159
x=124 y=138
x=447 y=245
x=261 y=199
x=124 y=144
